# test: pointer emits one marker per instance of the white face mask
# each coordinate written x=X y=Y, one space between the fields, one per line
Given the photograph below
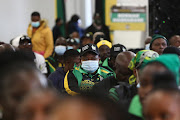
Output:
x=147 y=46
x=60 y=49
x=90 y=66
x=137 y=79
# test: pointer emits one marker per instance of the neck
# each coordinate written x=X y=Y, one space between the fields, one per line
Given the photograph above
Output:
x=66 y=68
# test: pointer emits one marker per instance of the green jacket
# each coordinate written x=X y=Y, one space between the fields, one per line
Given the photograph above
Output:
x=106 y=66
x=52 y=63
x=135 y=107
x=79 y=80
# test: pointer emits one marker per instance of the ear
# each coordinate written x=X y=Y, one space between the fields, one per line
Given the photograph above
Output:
x=134 y=72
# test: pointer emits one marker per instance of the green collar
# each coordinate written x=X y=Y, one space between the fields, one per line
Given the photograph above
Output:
x=135 y=107
x=105 y=64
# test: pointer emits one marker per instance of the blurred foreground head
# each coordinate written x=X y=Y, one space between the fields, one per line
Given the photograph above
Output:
x=162 y=105
x=89 y=107
x=37 y=105
x=18 y=76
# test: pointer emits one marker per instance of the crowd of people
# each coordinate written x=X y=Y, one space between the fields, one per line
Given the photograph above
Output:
x=45 y=76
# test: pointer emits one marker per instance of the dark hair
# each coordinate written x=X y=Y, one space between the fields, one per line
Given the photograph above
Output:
x=74 y=18
x=98 y=38
x=13 y=62
x=172 y=50
x=110 y=109
x=35 y=14
x=57 y=20
x=70 y=54
x=164 y=80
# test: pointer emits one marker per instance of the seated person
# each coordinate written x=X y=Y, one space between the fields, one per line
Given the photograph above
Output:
x=158 y=43
x=37 y=105
x=162 y=104
x=172 y=50
x=56 y=59
x=84 y=77
x=26 y=46
x=71 y=57
x=122 y=71
x=104 y=49
x=109 y=63
x=160 y=64
x=72 y=44
x=174 y=41
x=138 y=62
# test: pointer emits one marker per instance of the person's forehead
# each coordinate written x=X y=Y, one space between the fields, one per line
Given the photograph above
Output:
x=159 y=40
x=60 y=41
x=102 y=47
x=90 y=54
x=162 y=99
x=34 y=18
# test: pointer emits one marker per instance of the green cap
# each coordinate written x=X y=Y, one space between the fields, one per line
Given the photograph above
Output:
x=156 y=36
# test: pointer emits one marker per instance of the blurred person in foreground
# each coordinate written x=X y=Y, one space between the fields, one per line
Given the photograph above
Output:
x=88 y=106
x=160 y=64
x=18 y=76
x=37 y=105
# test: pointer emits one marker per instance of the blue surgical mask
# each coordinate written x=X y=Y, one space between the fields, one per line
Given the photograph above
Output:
x=77 y=40
x=69 y=47
x=90 y=66
x=60 y=49
x=35 y=24
x=147 y=46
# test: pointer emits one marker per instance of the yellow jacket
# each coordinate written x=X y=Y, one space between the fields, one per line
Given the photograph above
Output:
x=42 y=39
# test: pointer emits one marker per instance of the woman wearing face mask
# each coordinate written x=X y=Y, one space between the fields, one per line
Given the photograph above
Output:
x=83 y=78
x=41 y=35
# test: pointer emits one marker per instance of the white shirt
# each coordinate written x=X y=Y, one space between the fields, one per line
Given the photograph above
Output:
x=40 y=63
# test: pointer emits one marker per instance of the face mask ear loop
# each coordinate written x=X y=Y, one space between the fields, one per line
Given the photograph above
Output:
x=137 y=79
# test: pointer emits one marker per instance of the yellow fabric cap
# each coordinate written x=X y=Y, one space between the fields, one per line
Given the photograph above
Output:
x=104 y=42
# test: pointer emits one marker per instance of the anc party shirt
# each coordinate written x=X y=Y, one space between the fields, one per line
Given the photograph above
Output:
x=79 y=80
x=106 y=66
